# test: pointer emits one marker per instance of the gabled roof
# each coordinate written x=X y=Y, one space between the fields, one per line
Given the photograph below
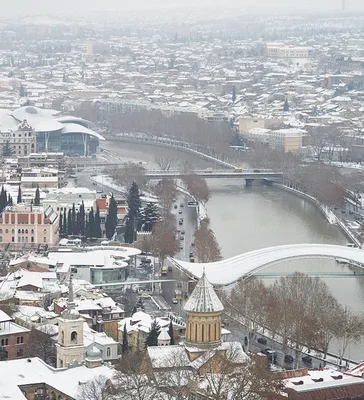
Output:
x=203 y=298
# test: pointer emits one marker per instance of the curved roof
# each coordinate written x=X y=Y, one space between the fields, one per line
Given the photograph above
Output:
x=230 y=270
x=203 y=298
x=48 y=125
x=77 y=120
x=34 y=114
x=76 y=128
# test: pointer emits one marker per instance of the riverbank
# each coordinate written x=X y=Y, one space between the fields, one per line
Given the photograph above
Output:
x=325 y=211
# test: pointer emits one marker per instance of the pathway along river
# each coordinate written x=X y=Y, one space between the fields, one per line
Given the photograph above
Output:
x=245 y=219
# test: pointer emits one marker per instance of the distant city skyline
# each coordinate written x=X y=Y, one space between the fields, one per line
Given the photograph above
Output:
x=34 y=7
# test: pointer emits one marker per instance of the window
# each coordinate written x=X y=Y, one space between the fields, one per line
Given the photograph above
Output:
x=21 y=339
x=1 y=239
x=45 y=231
x=44 y=239
x=19 y=239
x=203 y=333
x=13 y=231
x=18 y=340
x=74 y=337
x=32 y=231
x=26 y=230
x=19 y=352
x=1 y=231
x=19 y=231
x=6 y=230
x=62 y=337
x=32 y=239
x=13 y=239
x=6 y=342
x=108 y=352
x=2 y=342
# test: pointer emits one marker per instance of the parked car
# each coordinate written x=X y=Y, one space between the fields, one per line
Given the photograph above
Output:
x=307 y=359
x=175 y=206
x=181 y=205
x=183 y=232
x=174 y=301
x=262 y=340
x=181 y=237
x=180 y=212
x=288 y=358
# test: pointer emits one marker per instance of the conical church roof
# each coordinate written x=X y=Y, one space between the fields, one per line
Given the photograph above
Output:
x=203 y=298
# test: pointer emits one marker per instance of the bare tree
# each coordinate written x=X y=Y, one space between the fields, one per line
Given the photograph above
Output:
x=248 y=303
x=95 y=389
x=166 y=192
x=42 y=344
x=318 y=140
x=207 y=248
x=128 y=173
x=196 y=186
x=349 y=329
x=164 y=242
x=165 y=163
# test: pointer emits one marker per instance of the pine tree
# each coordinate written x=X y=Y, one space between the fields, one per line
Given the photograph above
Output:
x=152 y=338
x=233 y=96
x=19 y=199
x=171 y=333
x=148 y=216
x=286 y=105
x=69 y=222
x=37 y=197
x=125 y=345
x=97 y=224
x=64 y=225
x=129 y=231
x=91 y=224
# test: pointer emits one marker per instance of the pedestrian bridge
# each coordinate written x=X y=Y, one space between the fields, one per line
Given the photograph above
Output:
x=243 y=266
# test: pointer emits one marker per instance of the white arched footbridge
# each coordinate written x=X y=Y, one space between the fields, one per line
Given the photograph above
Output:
x=245 y=265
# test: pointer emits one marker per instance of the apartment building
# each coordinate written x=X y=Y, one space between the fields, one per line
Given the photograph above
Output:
x=23 y=224
x=280 y=50
x=288 y=140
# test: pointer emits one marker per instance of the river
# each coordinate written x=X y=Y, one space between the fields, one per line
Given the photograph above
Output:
x=245 y=219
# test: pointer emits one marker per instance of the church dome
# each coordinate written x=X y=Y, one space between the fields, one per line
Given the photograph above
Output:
x=203 y=298
x=94 y=354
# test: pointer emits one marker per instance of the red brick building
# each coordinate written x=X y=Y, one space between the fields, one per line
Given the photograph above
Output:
x=13 y=338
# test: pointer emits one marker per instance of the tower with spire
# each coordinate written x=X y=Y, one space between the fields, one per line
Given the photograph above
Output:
x=203 y=326
x=70 y=347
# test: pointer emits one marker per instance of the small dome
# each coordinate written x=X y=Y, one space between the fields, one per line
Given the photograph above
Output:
x=94 y=354
x=164 y=335
x=31 y=110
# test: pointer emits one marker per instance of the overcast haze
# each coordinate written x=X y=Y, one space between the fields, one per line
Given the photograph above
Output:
x=56 y=6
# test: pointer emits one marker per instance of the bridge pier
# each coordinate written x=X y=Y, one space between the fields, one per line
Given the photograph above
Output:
x=249 y=182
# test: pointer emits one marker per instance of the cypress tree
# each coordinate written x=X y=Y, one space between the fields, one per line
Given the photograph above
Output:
x=125 y=345
x=69 y=222
x=2 y=199
x=82 y=219
x=73 y=220
x=171 y=334
x=60 y=223
x=19 y=199
x=134 y=204
x=286 y=105
x=91 y=224
x=152 y=338
x=97 y=224
x=10 y=200
x=37 y=197
x=64 y=225
x=111 y=218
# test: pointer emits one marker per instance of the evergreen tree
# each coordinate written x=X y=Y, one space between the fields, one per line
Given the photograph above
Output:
x=73 y=220
x=286 y=105
x=171 y=333
x=97 y=224
x=19 y=199
x=233 y=96
x=22 y=91
x=82 y=219
x=148 y=216
x=111 y=218
x=60 y=223
x=91 y=224
x=69 y=222
x=10 y=200
x=3 y=199
x=132 y=221
x=37 y=197
x=77 y=223
x=152 y=338
x=125 y=345
x=7 y=151
x=64 y=225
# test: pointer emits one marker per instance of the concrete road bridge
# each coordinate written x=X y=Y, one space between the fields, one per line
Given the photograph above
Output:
x=244 y=266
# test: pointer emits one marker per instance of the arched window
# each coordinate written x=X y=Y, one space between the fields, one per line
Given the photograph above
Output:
x=32 y=231
x=6 y=342
x=26 y=230
x=19 y=230
x=209 y=334
x=21 y=339
x=22 y=231
x=6 y=230
x=215 y=330
x=18 y=340
x=74 y=337
x=196 y=332
x=45 y=231
x=13 y=231
x=203 y=333
x=108 y=352
x=62 y=337
x=2 y=342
